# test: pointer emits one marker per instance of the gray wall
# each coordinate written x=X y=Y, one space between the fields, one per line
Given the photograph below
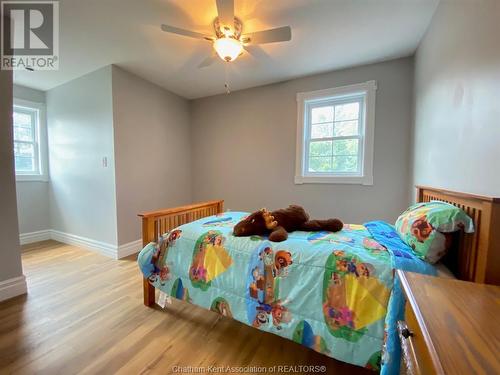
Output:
x=33 y=206
x=152 y=150
x=80 y=132
x=457 y=91
x=32 y=196
x=27 y=93
x=10 y=255
x=243 y=147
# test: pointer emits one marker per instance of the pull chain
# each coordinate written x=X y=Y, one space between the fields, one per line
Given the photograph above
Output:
x=226 y=78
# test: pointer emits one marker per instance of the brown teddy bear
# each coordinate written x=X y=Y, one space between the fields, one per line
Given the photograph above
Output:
x=278 y=223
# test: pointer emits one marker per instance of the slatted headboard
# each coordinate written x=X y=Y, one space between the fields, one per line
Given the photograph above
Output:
x=474 y=257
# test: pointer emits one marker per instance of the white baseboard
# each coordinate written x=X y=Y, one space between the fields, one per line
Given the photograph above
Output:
x=41 y=235
x=13 y=287
x=109 y=250
x=72 y=239
x=129 y=248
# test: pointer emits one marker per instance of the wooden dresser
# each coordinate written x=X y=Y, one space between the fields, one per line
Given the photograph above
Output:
x=450 y=326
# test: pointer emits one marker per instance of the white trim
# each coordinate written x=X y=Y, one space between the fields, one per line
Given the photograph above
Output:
x=41 y=140
x=348 y=90
x=30 y=178
x=352 y=180
x=41 y=235
x=109 y=250
x=104 y=248
x=366 y=178
x=129 y=248
x=13 y=287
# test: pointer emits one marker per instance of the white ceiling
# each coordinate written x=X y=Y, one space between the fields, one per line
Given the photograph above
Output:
x=326 y=35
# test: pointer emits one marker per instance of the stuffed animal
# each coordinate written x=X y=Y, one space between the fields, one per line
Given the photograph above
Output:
x=278 y=223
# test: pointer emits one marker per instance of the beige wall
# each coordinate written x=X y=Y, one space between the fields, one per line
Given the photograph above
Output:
x=10 y=255
x=243 y=147
x=152 y=150
x=457 y=91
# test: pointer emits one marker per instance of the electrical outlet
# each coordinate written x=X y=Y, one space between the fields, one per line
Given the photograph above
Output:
x=105 y=162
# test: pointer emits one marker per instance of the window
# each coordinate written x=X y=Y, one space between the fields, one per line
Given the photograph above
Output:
x=335 y=135
x=29 y=150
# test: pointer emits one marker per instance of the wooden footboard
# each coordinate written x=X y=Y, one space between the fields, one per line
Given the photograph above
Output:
x=156 y=223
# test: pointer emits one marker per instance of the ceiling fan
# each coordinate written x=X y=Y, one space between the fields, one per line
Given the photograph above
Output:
x=229 y=41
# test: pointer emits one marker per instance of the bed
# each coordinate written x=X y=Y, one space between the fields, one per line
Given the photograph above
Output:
x=332 y=292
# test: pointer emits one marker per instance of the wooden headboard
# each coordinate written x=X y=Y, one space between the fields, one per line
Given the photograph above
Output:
x=476 y=256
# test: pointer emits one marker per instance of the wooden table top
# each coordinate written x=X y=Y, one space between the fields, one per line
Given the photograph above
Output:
x=462 y=320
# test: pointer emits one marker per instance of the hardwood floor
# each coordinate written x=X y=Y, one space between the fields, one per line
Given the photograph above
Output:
x=84 y=314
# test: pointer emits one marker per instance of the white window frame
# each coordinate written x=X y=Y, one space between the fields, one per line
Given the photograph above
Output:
x=40 y=141
x=306 y=100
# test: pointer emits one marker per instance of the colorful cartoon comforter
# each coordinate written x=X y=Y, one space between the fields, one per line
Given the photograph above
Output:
x=332 y=292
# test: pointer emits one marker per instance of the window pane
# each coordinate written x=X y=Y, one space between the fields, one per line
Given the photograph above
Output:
x=22 y=119
x=22 y=133
x=24 y=154
x=345 y=128
x=24 y=164
x=322 y=130
x=25 y=125
x=345 y=163
x=349 y=111
x=24 y=149
x=321 y=148
x=320 y=164
x=321 y=114
x=345 y=147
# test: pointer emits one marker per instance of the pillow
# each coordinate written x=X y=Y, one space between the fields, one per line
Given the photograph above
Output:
x=421 y=227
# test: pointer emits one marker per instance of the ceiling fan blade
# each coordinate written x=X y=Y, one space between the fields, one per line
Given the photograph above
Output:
x=225 y=10
x=280 y=34
x=257 y=52
x=184 y=32
x=208 y=61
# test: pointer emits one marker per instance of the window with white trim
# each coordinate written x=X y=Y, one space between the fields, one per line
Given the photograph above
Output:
x=29 y=150
x=335 y=130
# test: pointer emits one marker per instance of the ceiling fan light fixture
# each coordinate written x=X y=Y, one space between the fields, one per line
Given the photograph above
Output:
x=228 y=40
x=228 y=48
